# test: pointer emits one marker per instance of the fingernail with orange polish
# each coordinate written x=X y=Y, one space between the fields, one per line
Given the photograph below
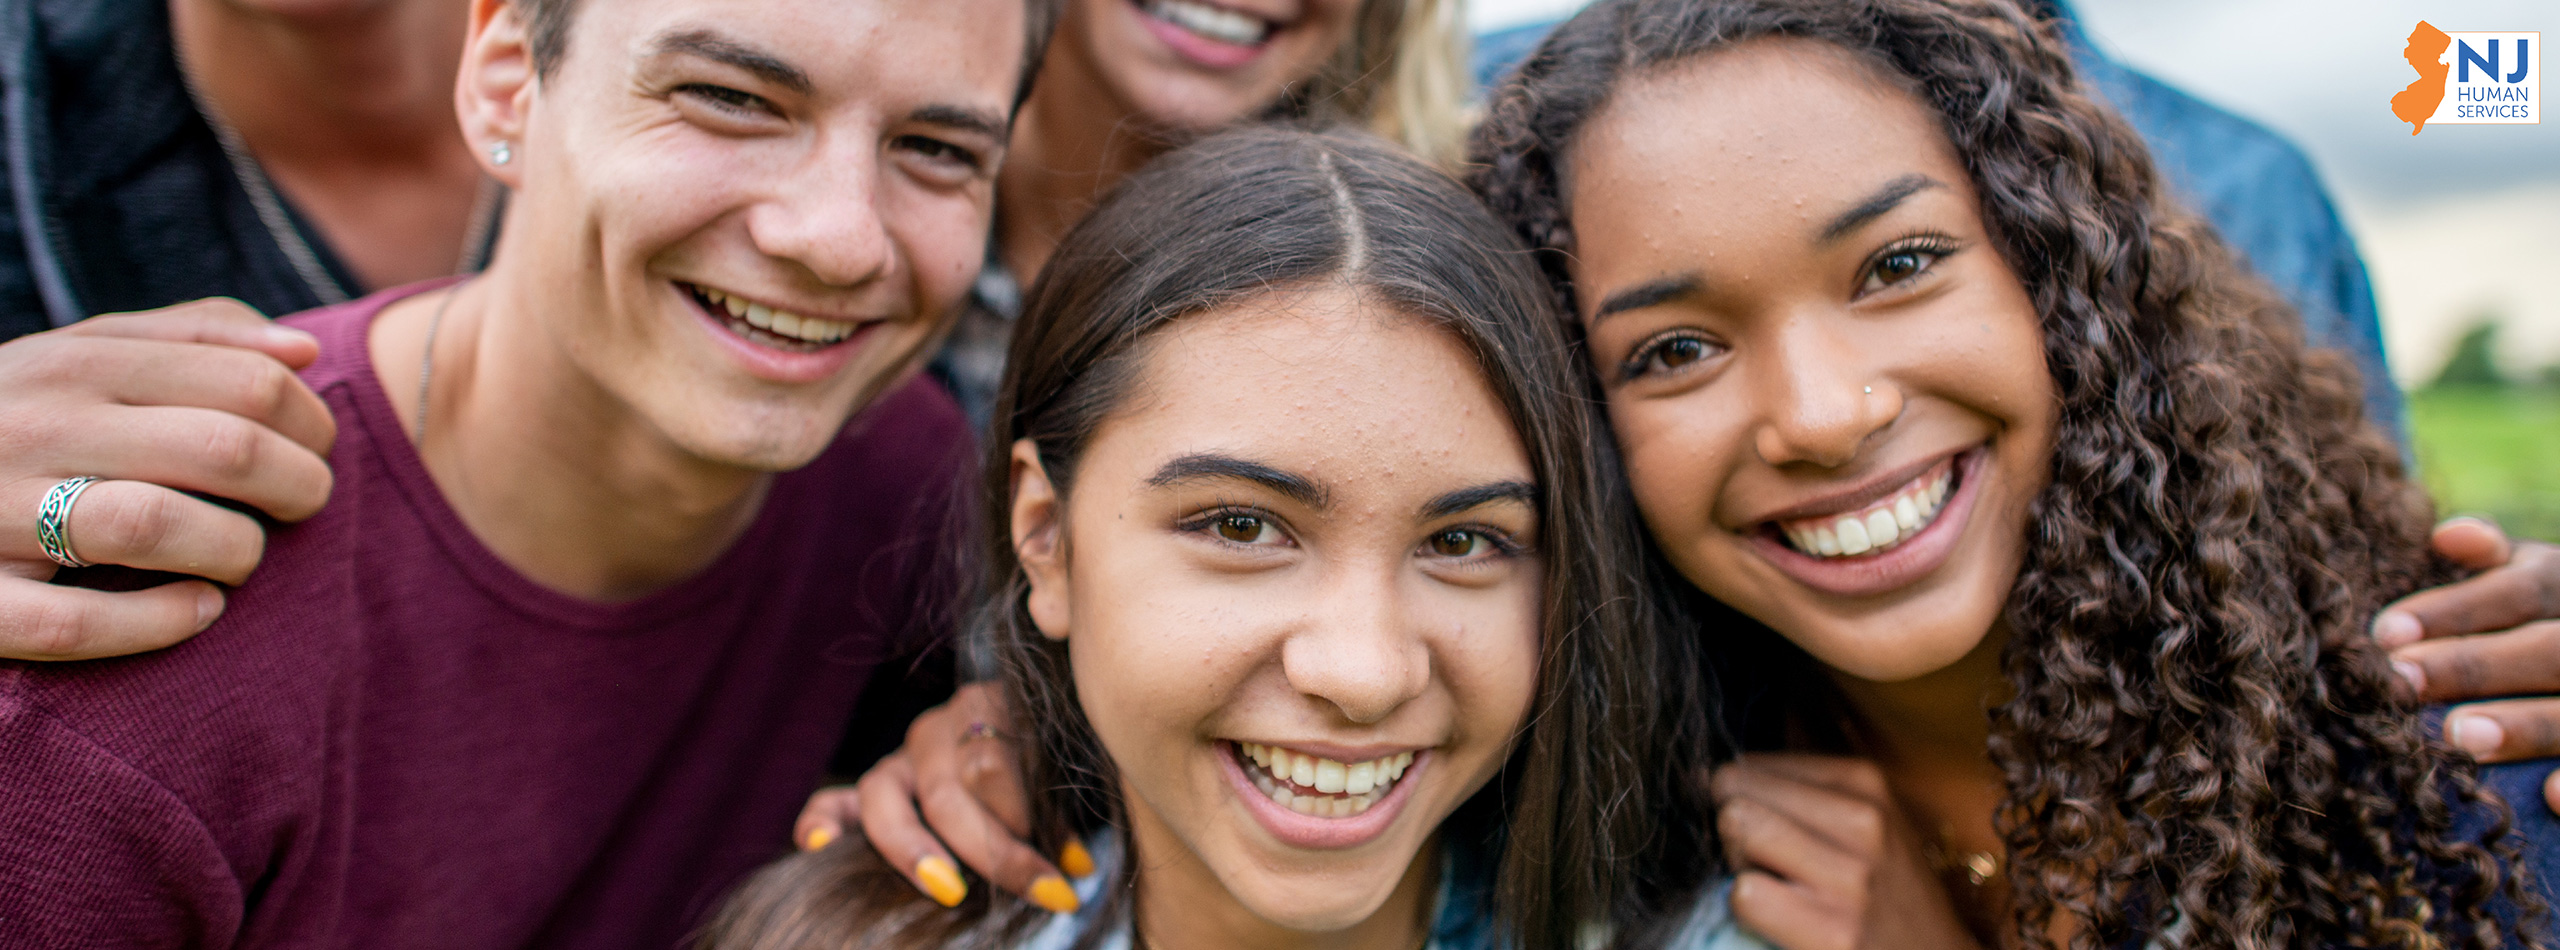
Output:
x=819 y=839
x=941 y=881
x=1074 y=859
x=1052 y=893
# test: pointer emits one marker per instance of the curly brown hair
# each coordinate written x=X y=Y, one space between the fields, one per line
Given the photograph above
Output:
x=2202 y=736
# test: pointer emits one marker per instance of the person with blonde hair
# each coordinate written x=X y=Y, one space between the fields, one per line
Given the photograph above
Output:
x=1129 y=80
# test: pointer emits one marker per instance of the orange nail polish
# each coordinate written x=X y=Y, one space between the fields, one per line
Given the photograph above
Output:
x=941 y=881
x=819 y=839
x=1074 y=859
x=1052 y=893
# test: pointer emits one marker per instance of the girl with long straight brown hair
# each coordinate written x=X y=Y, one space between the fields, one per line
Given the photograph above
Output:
x=1305 y=578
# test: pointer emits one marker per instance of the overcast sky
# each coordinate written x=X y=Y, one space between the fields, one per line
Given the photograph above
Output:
x=2455 y=221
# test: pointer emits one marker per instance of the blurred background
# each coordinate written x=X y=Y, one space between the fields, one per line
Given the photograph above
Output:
x=2459 y=225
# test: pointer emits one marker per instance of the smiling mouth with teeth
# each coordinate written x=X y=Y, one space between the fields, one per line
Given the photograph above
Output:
x=1320 y=787
x=1212 y=22
x=779 y=329
x=1878 y=527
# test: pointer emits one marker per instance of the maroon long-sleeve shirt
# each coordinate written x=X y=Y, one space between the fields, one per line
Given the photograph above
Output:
x=394 y=740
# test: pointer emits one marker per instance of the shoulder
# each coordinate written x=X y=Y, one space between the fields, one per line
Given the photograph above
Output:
x=2535 y=829
x=1711 y=925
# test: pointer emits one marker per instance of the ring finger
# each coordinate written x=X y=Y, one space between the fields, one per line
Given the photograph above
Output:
x=140 y=525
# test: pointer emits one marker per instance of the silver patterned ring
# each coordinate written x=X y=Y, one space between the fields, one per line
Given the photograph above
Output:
x=53 y=520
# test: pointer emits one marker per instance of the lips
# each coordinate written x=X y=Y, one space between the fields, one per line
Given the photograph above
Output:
x=1209 y=21
x=1879 y=526
x=1318 y=786
x=1309 y=817
x=1206 y=36
x=1808 y=545
x=781 y=329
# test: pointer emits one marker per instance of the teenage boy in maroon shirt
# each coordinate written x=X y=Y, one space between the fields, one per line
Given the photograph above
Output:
x=621 y=529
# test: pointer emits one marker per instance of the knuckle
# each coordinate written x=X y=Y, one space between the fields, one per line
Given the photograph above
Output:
x=2461 y=670
x=127 y=524
x=266 y=387
x=1864 y=828
x=230 y=447
x=46 y=629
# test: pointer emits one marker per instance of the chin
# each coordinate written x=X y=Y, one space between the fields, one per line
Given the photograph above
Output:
x=1906 y=652
x=1317 y=902
x=757 y=437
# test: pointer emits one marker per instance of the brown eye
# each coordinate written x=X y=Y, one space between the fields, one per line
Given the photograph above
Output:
x=1680 y=351
x=1456 y=543
x=1896 y=268
x=1669 y=354
x=1242 y=529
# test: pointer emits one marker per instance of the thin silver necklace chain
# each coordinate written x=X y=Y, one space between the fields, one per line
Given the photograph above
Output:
x=279 y=224
x=427 y=357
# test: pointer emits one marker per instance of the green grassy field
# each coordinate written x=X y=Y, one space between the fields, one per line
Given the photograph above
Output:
x=2494 y=452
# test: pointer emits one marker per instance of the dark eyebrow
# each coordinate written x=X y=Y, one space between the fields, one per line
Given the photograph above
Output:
x=1480 y=495
x=1211 y=467
x=1647 y=294
x=721 y=49
x=1877 y=204
x=965 y=119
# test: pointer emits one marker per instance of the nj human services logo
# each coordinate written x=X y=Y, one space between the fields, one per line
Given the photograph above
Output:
x=2471 y=78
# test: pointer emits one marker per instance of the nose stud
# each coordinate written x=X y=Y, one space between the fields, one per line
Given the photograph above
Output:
x=1870 y=390
x=500 y=153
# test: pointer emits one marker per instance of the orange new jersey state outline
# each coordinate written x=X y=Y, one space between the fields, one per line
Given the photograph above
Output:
x=2414 y=104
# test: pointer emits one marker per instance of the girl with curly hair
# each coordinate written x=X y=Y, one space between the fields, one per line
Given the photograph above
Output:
x=2068 y=545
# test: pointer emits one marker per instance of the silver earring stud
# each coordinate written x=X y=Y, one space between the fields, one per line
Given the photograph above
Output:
x=500 y=153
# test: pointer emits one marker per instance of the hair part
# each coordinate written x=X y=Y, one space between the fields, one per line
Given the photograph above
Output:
x=2202 y=732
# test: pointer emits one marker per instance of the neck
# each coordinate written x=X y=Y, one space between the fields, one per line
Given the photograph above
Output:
x=1072 y=141
x=560 y=479
x=375 y=80
x=1181 y=905
x=349 y=111
x=1932 y=736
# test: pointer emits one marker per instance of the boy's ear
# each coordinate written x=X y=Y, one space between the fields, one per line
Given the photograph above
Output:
x=493 y=93
x=1040 y=540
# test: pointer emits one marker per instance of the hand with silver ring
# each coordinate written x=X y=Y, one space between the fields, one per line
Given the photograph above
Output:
x=113 y=433
x=53 y=520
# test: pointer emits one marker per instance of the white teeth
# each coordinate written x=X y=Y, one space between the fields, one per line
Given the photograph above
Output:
x=1360 y=779
x=1322 y=787
x=1225 y=26
x=1881 y=530
x=782 y=323
x=1853 y=536
x=1876 y=527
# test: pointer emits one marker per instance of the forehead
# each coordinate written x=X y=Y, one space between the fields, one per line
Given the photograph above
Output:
x=1772 y=125
x=1327 y=383
x=894 y=51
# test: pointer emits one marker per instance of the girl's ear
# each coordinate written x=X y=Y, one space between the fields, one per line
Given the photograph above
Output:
x=494 y=91
x=1040 y=540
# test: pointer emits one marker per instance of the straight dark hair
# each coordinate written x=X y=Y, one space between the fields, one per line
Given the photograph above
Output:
x=2203 y=737
x=1573 y=824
